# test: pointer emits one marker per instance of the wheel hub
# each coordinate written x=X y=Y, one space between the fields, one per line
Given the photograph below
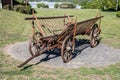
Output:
x=68 y=48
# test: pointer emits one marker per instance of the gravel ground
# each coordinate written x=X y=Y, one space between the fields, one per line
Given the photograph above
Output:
x=84 y=55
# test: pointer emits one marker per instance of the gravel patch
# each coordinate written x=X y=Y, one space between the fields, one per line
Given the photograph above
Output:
x=84 y=55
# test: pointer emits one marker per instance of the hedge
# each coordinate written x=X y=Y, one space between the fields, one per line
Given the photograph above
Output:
x=23 y=9
x=118 y=14
x=67 y=5
x=42 y=5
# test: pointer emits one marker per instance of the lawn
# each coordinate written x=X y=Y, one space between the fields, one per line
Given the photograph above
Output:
x=13 y=28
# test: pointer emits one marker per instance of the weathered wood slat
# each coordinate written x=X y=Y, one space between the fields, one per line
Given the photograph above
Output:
x=55 y=17
x=90 y=20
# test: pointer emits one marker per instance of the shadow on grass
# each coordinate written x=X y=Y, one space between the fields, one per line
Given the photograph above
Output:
x=26 y=67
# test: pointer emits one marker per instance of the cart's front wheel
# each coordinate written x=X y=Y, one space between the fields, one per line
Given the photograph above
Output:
x=94 y=36
x=35 y=44
x=66 y=51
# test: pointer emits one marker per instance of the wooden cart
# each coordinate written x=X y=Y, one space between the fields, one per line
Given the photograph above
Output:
x=61 y=32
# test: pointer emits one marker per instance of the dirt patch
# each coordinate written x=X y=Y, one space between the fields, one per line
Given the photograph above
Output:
x=84 y=55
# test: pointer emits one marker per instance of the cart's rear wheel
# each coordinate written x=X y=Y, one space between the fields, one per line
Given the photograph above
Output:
x=66 y=51
x=94 y=36
x=35 y=44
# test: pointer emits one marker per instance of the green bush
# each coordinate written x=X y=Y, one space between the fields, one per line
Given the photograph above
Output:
x=46 y=6
x=107 y=5
x=56 y=5
x=19 y=8
x=118 y=14
x=95 y=5
x=23 y=9
x=42 y=5
x=7 y=6
x=28 y=10
x=67 y=5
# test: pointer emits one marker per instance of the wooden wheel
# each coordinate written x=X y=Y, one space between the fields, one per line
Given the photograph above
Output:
x=94 y=36
x=35 y=44
x=66 y=51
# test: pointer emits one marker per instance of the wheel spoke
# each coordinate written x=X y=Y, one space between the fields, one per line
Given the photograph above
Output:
x=94 y=35
x=67 y=49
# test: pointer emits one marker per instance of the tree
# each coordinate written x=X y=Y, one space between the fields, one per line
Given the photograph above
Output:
x=95 y=4
x=99 y=4
x=76 y=1
x=85 y=4
x=108 y=4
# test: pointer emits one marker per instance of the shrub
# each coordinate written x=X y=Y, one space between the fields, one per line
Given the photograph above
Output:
x=67 y=5
x=23 y=9
x=56 y=5
x=28 y=10
x=106 y=5
x=7 y=6
x=42 y=5
x=19 y=8
x=118 y=14
x=46 y=6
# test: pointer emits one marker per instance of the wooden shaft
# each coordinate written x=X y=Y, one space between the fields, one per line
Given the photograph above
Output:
x=26 y=61
x=64 y=19
x=37 y=54
x=29 y=59
x=38 y=25
x=73 y=42
x=99 y=24
x=74 y=34
x=33 y=29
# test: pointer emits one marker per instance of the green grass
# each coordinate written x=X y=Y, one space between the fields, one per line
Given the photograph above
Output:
x=13 y=28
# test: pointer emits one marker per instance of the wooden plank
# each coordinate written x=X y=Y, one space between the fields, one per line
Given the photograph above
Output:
x=90 y=20
x=54 y=17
